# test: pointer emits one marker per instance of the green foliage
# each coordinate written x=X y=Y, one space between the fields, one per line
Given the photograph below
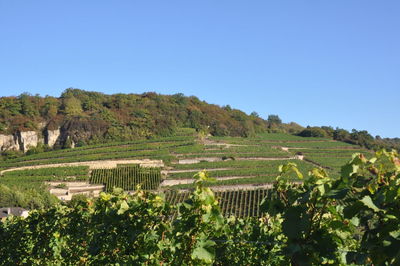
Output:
x=30 y=183
x=27 y=105
x=327 y=208
x=313 y=132
x=72 y=106
x=362 y=137
x=157 y=148
x=351 y=220
x=11 y=154
x=38 y=149
x=145 y=115
x=274 y=119
x=118 y=229
x=29 y=198
x=237 y=203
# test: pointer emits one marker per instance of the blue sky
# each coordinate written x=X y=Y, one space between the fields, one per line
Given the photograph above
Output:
x=313 y=62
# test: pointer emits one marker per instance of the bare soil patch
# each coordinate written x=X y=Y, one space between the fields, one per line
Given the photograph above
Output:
x=173 y=182
x=193 y=170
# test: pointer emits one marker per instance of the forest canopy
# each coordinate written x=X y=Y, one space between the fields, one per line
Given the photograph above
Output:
x=87 y=117
x=125 y=116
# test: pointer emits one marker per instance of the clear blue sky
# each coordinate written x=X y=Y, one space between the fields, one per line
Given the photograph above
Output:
x=313 y=62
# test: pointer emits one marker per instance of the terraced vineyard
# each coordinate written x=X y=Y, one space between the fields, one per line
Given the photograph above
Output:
x=127 y=178
x=154 y=148
x=236 y=163
x=37 y=177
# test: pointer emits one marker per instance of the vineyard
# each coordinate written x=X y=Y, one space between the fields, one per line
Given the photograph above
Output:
x=350 y=220
x=236 y=163
x=37 y=177
x=127 y=178
x=237 y=203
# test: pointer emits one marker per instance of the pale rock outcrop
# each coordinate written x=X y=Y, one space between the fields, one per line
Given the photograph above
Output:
x=28 y=139
x=8 y=142
x=24 y=140
x=52 y=137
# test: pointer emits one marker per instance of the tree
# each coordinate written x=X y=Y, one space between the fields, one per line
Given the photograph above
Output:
x=274 y=119
x=313 y=132
x=72 y=106
x=27 y=106
x=254 y=114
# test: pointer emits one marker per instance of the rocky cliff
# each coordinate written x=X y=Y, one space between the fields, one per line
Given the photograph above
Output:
x=25 y=140
x=51 y=136
x=8 y=142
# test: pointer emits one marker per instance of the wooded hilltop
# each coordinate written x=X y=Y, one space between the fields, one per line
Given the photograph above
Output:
x=81 y=117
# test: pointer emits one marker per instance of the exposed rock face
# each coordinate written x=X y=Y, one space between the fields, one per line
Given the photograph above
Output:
x=27 y=140
x=74 y=130
x=24 y=140
x=8 y=142
x=51 y=137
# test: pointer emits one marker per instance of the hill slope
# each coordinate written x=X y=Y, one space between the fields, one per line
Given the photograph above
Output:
x=79 y=117
x=237 y=163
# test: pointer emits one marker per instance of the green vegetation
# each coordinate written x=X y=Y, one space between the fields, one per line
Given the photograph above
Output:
x=337 y=215
x=27 y=189
x=127 y=178
x=243 y=160
x=266 y=137
x=361 y=138
x=70 y=171
x=92 y=117
x=349 y=220
x=330 y=158
x=237 y=203
x=29 y=198
x=156 y=148
x=87 y=118
x=245 y=168
x=35 y=178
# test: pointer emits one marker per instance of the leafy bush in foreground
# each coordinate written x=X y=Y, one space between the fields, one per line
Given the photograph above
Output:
x=354 y=219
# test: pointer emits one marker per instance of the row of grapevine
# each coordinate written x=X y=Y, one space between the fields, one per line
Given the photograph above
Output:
x=153 y=150
x=29 y=178
x=51 y=171
x=238 y=203
x=127 y=177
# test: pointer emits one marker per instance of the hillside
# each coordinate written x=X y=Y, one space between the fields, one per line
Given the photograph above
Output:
x=250 y=207
x=88 y=142
x=80 y=117
x=245 y=164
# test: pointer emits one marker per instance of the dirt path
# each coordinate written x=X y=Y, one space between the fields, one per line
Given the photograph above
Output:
x=181 y=181
x=265 y=158
x=93 y=164
x=193 y=170
x=199 y=159
x=208 y=142
x=219 y=159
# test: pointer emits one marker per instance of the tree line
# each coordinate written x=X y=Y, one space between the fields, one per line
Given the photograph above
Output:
x=92 y=117
x=357 y=137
